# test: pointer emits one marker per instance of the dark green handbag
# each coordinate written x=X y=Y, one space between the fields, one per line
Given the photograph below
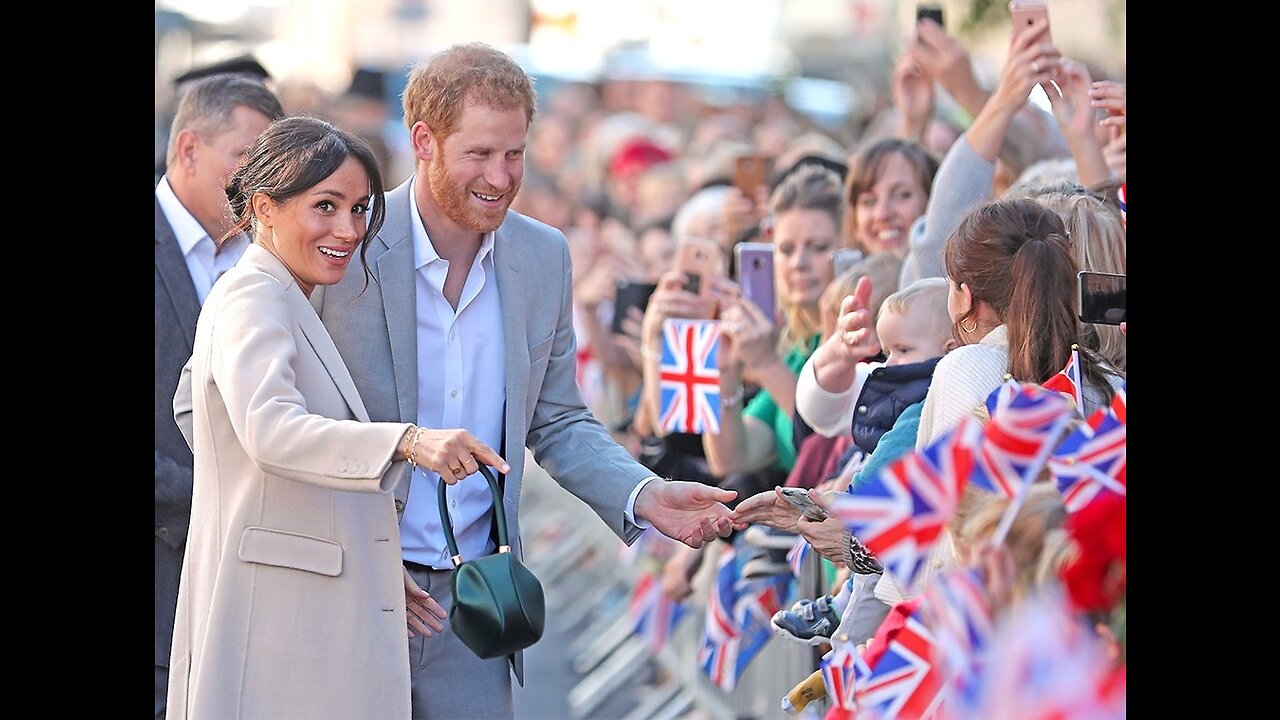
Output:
x=498 y=606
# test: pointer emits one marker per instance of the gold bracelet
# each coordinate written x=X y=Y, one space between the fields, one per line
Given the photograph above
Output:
x=407 y=444
x=413 y=451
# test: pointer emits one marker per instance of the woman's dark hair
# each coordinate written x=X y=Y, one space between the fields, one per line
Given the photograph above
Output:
x=294 y=155
x=1015 y=255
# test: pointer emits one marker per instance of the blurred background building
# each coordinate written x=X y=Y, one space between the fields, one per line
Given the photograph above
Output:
x=825 y=58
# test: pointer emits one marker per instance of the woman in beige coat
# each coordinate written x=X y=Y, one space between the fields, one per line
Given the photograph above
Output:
x=292 y=601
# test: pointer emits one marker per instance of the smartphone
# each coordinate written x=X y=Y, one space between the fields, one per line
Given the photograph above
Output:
x=1030 y=16
x=933 y=12
x=749 y=173
x=700 y=260
x=843 y=259
x=800 y=500
x=754 y=261
x=1102 y=297
x=629 y=294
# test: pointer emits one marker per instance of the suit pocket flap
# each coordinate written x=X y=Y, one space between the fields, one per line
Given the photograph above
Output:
x=291 y=550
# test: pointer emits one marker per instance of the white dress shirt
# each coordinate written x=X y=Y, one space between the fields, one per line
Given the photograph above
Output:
x=462 y=383
x=206 y=261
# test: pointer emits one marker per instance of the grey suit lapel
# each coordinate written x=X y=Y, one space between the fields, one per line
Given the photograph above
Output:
x=507 y=252
x=175 y=276
x=515 y=336
x=391 y=262
x=395 y=271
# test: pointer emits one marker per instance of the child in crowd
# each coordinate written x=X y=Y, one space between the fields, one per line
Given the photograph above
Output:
x=914 y=330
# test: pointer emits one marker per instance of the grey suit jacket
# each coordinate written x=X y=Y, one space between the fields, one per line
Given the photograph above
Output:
x=177 y=308
x=376 y=334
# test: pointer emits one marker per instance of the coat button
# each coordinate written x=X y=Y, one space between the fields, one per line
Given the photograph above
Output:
x=164 y=532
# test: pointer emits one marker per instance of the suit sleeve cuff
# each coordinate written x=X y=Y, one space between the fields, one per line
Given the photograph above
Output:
x=630 y=512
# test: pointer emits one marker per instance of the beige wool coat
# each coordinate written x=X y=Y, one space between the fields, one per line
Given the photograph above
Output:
x=291 y=602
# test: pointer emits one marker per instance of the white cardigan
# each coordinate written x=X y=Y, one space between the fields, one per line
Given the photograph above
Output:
x=961 y=383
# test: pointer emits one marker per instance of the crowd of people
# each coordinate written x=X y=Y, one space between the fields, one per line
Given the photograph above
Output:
x=346 y=318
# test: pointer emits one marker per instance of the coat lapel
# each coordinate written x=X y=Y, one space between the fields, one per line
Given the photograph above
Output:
x=173 y=272
x=309 y=322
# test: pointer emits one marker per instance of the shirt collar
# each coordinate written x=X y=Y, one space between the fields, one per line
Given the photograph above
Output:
x=424 y=253
x=186 y=228
x=998 y=337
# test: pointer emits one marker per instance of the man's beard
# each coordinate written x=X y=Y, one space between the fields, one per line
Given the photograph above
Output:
x=454 y=201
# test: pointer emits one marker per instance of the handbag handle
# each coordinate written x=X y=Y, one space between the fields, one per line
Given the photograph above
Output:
x=500 y=515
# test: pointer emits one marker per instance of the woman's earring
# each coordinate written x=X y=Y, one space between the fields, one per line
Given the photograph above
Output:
x=969 y=329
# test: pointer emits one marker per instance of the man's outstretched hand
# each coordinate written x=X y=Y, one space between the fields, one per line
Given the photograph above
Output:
x=690 y=512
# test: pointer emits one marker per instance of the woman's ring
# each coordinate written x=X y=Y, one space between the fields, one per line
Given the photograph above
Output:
x=455 y=470
x=1035 y=66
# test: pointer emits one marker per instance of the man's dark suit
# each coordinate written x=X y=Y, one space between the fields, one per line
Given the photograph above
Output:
x=177 y=308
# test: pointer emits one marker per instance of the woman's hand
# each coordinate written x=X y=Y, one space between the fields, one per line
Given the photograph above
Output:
x=671 y=300
x=598 y=283
x=740 y=212
x=912 y=92
x=1032 y=60
x=852 y=340
x=425 y=616
x=677 y=574
x=942 y=57
x=752 y=336
x=1071 y=103
x=770 y=508
x=1110 y=96
x=453 y=454
x=1074 y=111
x=829 y=537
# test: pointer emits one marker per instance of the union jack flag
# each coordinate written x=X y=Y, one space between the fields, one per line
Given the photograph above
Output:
x=718 y=654
x=758 y=601
x=739 y=616
x=838 y=675
x=899 y=513
x=1000 y=397
x=797 y=554
x=904 y=682
x=956 y=610
x=1045 y=663
x=1068 y=382
x=1121 y=196
x=1014 y=443
x=880 y=514
x=1120 y=403
x=690 y=376
x=655 y=614
x=1092 y=460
